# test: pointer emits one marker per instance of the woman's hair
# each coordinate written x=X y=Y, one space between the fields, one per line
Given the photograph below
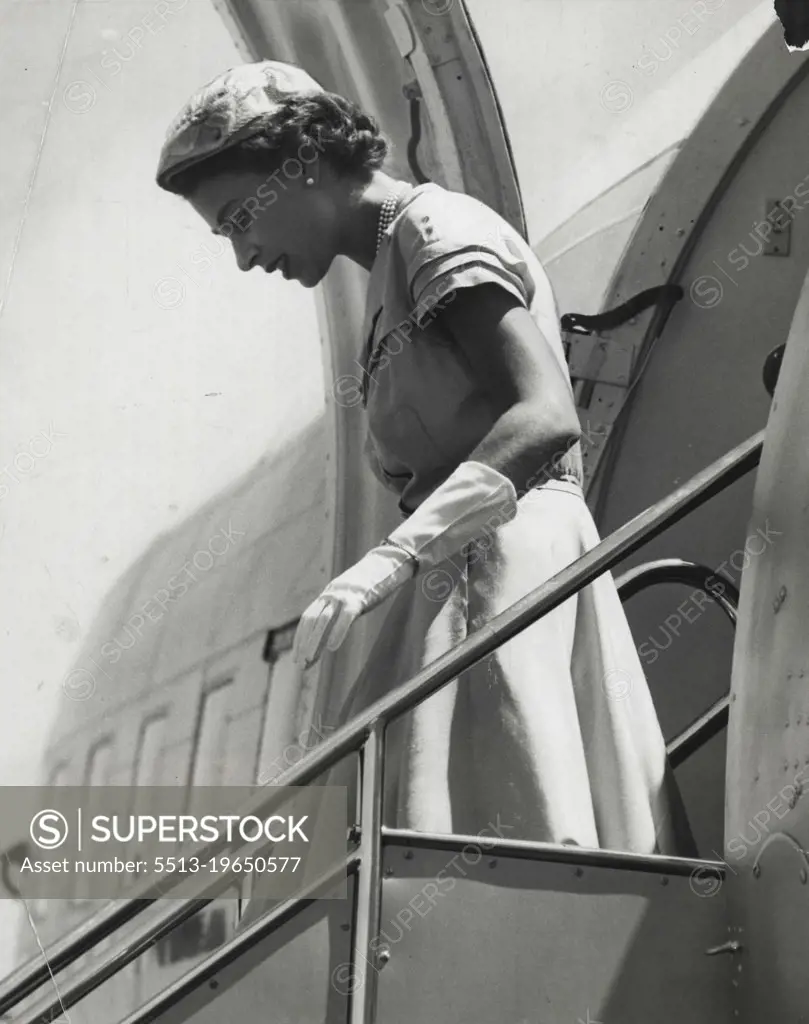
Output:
x=306 y=128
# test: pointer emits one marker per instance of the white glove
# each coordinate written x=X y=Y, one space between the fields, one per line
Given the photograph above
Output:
x=455 y=513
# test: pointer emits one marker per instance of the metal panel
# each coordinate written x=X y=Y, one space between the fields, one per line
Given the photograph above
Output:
x=772 y=929
x=767 y=813
x=701 y=389
x=677 y=213
x=285 y=978
x=473 y=939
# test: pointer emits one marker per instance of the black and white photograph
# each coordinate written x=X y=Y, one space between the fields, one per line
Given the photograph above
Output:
x=404 y=511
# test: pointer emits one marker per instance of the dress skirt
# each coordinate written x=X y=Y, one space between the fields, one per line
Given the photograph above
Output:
x=554 y=735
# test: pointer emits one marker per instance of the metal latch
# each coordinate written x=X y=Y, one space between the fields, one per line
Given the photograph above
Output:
x=777 y=225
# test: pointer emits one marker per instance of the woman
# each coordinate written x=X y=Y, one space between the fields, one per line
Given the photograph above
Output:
x=472 y=423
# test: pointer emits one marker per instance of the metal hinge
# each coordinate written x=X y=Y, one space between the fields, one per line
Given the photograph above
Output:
x=600 y=359
x=731 y=946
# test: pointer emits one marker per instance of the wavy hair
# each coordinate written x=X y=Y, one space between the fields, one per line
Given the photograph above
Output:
x=328 y=124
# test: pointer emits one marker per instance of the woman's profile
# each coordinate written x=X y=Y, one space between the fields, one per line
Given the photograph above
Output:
x=471 y=421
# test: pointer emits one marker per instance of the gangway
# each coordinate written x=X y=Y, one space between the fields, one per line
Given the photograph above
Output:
x=619 y=884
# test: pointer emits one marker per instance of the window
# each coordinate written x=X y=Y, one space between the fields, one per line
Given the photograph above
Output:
x=278 y=747
x=38 y=908
x=210 y=747
x=99 y=764
x=146 y=771
x=149 y=752
x=58 y=774
x=97 y=771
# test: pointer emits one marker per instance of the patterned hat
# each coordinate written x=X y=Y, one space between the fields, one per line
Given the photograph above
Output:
x=232 y=107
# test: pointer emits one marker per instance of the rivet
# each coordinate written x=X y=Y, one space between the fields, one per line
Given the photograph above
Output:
x=664 y=881
x=493 y=863
x=408 y=855
x=578 y=872
x=680 y=232
x=388 y=872
x=803 y=876
x=383 y=956
x=756 y=870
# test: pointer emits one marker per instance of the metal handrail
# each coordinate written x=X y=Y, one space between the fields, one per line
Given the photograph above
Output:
x=352 y=737
x=702 y=729
x=674 y=570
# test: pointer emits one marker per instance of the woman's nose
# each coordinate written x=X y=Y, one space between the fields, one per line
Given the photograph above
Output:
x=246 y=258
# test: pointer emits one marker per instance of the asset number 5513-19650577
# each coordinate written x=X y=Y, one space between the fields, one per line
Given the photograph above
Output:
x=192 y=865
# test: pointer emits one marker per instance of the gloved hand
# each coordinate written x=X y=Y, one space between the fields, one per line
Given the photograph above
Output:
x=457 y=512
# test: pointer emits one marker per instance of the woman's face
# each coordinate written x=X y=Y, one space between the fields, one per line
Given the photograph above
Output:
x=274 y=222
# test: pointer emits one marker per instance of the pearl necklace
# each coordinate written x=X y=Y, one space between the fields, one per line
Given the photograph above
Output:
x=387 y=211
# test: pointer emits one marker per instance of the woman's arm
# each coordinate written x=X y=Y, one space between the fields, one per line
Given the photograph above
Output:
x=535 y=424
x=513 y=363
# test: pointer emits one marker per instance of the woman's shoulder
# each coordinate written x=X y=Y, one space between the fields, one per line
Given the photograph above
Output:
x=438 y=217
x=460 y=239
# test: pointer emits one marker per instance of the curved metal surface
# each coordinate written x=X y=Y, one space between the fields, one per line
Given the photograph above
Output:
x=768 y=742
x=690 y=190
x=767 y=814
x=769 y=911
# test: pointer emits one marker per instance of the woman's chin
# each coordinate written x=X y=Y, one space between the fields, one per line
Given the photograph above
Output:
x=309 y=276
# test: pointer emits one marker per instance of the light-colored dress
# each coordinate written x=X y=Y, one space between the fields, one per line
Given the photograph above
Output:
x=554 y=735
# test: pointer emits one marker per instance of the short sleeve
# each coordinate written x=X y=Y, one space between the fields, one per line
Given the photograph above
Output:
x=453 y=242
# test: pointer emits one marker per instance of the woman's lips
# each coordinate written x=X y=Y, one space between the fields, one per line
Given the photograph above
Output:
x=283 y=264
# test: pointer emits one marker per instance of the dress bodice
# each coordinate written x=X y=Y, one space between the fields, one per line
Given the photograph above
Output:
x=426 y=413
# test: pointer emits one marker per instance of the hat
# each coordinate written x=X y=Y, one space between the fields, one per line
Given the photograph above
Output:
x=230 y=108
